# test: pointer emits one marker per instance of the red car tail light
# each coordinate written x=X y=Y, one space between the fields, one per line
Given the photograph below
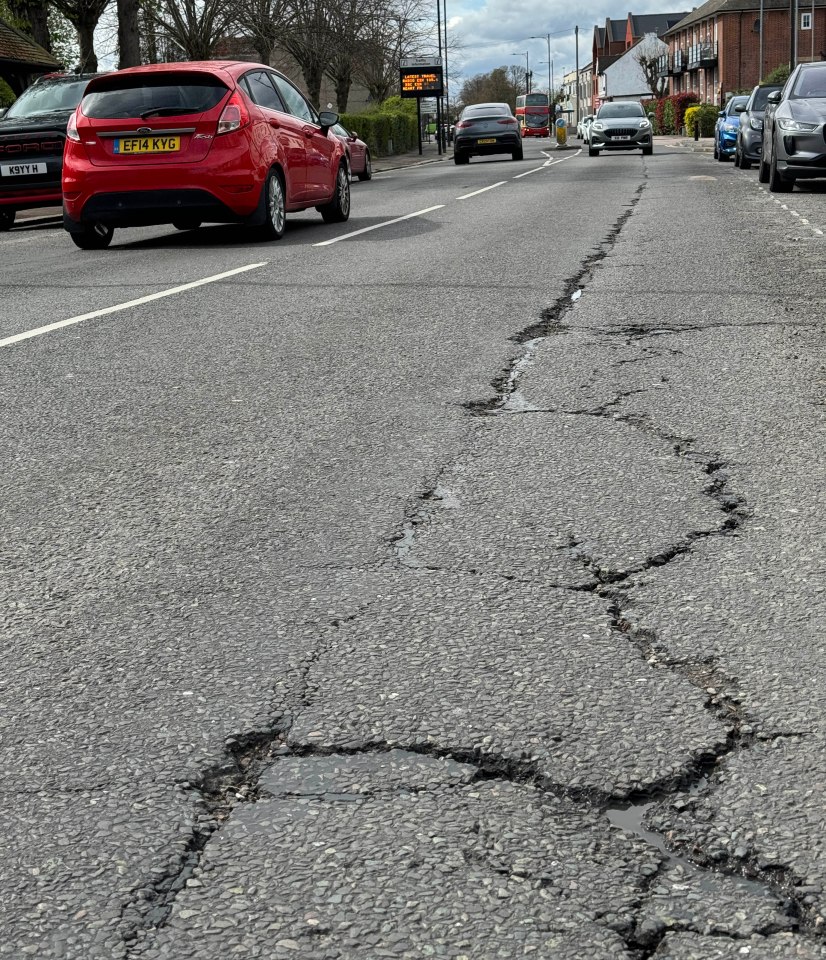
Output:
x=71 y=129
x=508 y=121
x=234 y=115
x=462 y=123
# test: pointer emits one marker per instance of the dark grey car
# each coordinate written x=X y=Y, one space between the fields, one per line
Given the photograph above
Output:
x=749 y=145
x=486 y=128
x=620 y=125
x=794 y=124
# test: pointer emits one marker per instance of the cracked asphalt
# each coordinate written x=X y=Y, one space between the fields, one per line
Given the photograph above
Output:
x=455 y=590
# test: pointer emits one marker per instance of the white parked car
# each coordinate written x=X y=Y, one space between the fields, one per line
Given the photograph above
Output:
x=583 y=126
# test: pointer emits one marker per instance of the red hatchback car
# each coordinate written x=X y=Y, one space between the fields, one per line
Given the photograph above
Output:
x=188 y=143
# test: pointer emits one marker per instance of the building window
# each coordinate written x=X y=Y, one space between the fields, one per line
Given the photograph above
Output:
x=805 y=21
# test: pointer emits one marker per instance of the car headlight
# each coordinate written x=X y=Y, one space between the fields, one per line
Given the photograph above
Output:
x=644 y=124
x=597 y=125
x=795 y=126
x=730 y=127
x=756 y=123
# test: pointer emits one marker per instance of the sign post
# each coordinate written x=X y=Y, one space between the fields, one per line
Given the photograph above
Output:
x=422 y=77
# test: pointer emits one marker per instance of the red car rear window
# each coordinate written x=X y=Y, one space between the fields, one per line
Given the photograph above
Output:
x=155 y=95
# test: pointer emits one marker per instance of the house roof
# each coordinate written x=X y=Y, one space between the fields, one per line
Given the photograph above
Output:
x=605 y=62
x=714 y=7
x=18 y=49
x=617 y=28
x=655 y=22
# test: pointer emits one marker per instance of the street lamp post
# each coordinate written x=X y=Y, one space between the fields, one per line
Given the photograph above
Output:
x=550 y=69
x=527 y=70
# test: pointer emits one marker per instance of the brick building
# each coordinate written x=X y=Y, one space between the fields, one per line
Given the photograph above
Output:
x=616 y=36
x=715 y=50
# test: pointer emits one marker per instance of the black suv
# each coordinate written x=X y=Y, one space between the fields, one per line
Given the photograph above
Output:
x=32 y=134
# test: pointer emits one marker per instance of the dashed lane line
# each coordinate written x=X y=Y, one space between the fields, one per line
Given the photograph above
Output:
x=49 y=327
x=378 y=226
x=476 y=193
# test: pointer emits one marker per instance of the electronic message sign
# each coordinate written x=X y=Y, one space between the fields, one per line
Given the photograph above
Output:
x=421 y=81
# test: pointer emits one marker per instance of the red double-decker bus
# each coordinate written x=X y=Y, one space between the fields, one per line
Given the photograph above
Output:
x=532 y=114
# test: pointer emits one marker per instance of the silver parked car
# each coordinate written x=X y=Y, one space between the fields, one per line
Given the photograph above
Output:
x=794 y=127
x=749 y=143
x=486 y=128
x=582 y=127
x=621 y=125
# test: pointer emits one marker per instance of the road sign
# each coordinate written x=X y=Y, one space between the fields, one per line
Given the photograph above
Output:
x=421 y=81
x=420 y=62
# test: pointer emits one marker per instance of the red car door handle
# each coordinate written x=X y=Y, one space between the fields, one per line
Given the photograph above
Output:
x=309 y=132
x=273 y=122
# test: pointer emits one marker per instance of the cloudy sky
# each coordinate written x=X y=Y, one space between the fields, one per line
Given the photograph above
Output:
x=490 y=32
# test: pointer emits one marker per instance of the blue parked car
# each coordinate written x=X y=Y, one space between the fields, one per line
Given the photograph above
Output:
x=725 y=130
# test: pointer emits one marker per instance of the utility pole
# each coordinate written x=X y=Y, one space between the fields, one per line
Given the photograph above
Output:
x=576 y=41
x=447 y=95
x=439 y=99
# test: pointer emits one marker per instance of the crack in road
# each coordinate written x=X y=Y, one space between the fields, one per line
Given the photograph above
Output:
x=235 y=779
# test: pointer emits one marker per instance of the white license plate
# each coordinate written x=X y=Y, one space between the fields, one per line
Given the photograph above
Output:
x=21 y=169
x=621 y=138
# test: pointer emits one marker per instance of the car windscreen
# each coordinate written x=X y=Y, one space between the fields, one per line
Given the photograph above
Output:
x=491 y=113
x=158 y=95
x=613 y=111
x=810 y=83
x=761 y=98
x=45 y=97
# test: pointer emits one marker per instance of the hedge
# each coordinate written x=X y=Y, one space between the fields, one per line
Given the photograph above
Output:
x=669 y=112
x=703 y=113
x=386 y=129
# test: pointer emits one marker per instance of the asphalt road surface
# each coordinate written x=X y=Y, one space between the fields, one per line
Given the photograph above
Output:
x=446 y=583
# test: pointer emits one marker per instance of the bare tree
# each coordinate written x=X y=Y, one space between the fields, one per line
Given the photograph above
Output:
x=264 y=22
x=84 y=16
x=310 y=40
x=387 y=35
x=147 y=17
x=129 y=41
x=195 y=27
x=647 y=55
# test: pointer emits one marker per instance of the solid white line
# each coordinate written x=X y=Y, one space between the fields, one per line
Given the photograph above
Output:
x=475 y=193
x=378 y=226
x=38 y=331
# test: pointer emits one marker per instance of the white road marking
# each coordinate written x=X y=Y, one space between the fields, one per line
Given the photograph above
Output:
x=378 y=226
x=475 y=193
x=39 y=331
x=525 y=174
x=550 y=163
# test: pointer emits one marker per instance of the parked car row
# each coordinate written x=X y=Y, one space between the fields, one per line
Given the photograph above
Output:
x=182 y=143
x=780 y=128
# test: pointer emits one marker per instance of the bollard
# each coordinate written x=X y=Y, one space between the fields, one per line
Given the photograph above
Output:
x=696 y=129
